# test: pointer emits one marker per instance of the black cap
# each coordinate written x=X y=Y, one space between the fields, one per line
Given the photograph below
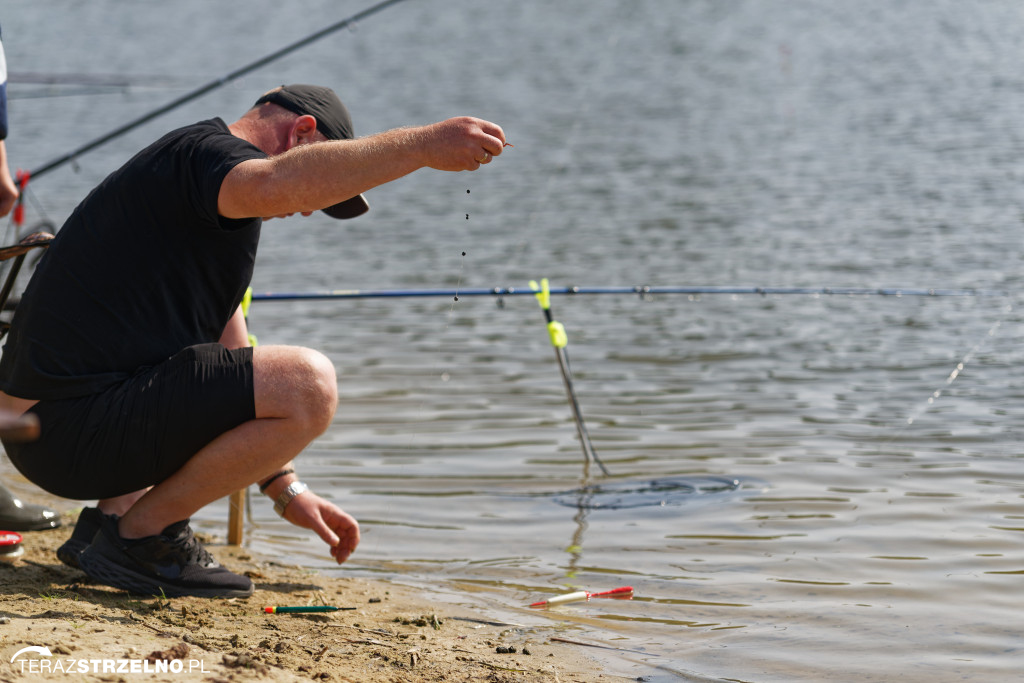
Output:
x=332 y=119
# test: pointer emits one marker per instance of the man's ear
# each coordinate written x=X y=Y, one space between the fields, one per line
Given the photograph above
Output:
x=302 y=131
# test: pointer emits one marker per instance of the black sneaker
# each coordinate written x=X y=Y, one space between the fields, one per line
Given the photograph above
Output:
x=89 y=521
x=173 y=564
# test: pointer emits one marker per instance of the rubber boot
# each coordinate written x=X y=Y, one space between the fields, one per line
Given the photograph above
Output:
x=18 y=516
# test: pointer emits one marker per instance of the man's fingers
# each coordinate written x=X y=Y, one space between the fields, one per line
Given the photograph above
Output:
x=341 y=553
x=490 y=147
x=465 y=143
x=494 y=130
x=326 y=533
x=346 y=530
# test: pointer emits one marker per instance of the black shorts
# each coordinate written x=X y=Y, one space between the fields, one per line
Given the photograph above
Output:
x=138 y=433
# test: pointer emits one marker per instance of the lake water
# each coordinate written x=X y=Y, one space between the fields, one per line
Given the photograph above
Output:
x=874 y=531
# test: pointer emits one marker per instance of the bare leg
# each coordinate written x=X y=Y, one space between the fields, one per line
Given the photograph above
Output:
x=296 y=396
x=120 y=504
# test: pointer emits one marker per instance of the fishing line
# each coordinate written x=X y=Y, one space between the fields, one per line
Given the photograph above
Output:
x=109 y=80
x=958 y=369
x=50 y=85
x=79 y=91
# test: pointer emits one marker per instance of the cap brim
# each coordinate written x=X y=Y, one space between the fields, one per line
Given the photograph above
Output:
x=350 y=208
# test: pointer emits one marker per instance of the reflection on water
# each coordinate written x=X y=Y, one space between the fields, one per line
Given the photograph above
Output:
x=876 y=529
x=620 y=495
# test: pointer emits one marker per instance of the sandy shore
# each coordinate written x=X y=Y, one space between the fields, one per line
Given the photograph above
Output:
x=395 y=634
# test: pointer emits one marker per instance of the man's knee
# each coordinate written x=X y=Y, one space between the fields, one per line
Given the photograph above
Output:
x=318 y=389
x=295 y=382
x=325 y=381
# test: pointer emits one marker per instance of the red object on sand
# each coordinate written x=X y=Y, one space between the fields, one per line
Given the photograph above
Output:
x=10 y=545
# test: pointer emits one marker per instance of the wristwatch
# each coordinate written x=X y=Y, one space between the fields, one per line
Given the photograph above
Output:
x=286 y=496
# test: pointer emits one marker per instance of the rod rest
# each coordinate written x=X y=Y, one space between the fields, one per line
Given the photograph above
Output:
x=37 y=240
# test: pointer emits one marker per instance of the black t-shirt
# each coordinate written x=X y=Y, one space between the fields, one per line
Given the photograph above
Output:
x=143 y=268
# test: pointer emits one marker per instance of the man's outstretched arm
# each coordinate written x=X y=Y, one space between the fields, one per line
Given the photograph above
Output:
x=313 y=176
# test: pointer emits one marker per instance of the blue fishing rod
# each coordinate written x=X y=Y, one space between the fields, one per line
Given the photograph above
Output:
x=642 y=291
x=557 y=333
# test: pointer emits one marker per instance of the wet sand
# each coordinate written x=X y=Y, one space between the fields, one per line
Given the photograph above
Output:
x=394 y=633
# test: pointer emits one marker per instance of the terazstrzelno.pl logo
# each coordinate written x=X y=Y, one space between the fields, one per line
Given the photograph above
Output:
x=36 y=659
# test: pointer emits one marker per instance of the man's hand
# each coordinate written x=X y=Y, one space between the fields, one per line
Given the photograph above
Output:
x=461 y=144
x=337 y=528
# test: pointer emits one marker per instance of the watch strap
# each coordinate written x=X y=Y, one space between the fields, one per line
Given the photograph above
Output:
x=294 y=489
